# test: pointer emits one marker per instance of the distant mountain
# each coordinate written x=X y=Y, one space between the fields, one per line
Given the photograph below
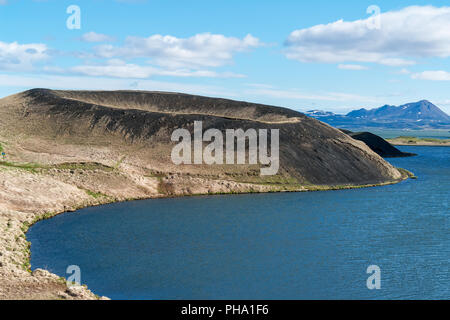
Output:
x=319 y=113
x=416 y=115
x=422 y=110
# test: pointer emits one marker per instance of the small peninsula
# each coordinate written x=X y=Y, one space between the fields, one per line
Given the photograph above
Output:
x=414 y=141
x=65 y=150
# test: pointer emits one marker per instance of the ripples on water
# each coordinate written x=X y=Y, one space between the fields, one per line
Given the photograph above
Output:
x=264 y=246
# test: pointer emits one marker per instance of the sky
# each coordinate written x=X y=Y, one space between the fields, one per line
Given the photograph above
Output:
x=326 y=55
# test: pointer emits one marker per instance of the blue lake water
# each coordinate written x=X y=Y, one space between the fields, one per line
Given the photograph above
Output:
x=314 y=245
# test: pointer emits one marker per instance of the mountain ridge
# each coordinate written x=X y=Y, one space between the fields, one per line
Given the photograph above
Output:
x=415 y=115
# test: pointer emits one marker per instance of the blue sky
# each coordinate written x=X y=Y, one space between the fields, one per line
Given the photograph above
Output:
x=299 y=54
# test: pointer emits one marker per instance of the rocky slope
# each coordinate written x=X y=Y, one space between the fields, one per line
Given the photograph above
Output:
x=70 y=149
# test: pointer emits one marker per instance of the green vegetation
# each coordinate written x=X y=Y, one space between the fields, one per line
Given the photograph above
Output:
x=277 y=180
x=31 y=167
x=165 y=188
x=95 y=195
x=407 y=173
x=279 y=183
x=415 y=140
x=26 y=225
x=35 y=167
x=118 y=163
x=155 y=174
x=82 y=166
x=26 y=265
x=1 y=148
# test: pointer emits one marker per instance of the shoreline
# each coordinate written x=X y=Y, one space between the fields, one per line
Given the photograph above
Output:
x=67 y=150
x=419 y=142
x=33 y=193
x=87 y=293
x=70 y=149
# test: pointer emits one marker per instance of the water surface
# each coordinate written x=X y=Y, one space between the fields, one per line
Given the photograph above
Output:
x=314 y=245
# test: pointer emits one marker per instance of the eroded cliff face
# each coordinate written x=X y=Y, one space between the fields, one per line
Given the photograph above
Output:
x=70 y=149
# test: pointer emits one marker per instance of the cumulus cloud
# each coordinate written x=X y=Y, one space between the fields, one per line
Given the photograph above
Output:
x=352 y=67
x=115 y=68
x=120 y=69
x=299 y=95
x=201 y=50
x=99 y=83
x=432 y=75
x=166 y=56
x=404 y=35
x=19 y=57
x=96 y=37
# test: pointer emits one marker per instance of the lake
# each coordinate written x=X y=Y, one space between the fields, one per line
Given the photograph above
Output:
x=314 y=245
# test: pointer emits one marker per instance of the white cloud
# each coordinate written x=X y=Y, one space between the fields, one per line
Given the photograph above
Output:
x=96 y=37
x=352 y=67
x=396 y=62
x=299 y=95
x=116 y=68
x=98 y=83
x=407 y=34
x=432 y=75
x=447 y=102
x=201 y=50
x=53 y=69
x=120 y=69
x=19 y=57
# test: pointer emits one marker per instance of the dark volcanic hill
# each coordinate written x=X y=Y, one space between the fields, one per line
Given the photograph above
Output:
x=378 y=144
x=137 y=126
x=416 y=115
